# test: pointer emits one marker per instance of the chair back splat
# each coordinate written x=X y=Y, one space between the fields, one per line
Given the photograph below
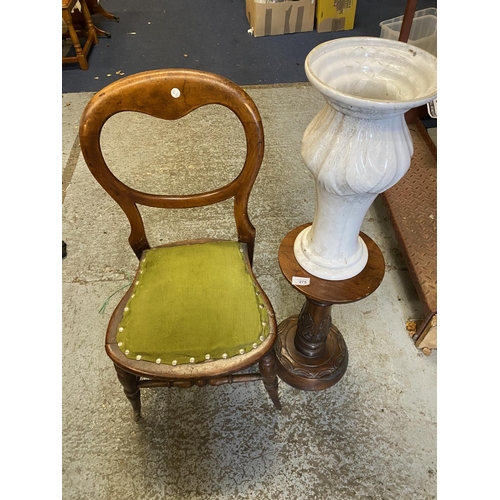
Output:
x=195 y=313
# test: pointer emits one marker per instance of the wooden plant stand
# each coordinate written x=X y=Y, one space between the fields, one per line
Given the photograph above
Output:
x=311 y=352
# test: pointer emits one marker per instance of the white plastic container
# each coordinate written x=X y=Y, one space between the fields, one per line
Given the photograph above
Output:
x=423 y=31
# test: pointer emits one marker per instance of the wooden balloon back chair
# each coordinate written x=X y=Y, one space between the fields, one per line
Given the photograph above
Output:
x=195 y=313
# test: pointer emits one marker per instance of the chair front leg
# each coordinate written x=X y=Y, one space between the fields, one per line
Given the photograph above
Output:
x=131 y=389
x=267 y=367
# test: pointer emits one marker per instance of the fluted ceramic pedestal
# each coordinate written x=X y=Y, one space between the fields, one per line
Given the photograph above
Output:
x=356 y=147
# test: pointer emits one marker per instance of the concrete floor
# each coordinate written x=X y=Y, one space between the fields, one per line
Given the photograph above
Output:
x=371 y=436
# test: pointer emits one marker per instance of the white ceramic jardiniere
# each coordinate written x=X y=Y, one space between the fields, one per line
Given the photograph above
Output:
x=358 y=145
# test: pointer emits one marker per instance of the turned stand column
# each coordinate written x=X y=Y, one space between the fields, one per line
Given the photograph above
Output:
x=311 y=352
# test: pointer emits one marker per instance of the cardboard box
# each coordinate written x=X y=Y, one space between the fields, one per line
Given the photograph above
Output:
x=335 y=15
x=280 y=18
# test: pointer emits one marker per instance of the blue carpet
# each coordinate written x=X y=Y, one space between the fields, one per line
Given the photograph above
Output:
x=210 y=35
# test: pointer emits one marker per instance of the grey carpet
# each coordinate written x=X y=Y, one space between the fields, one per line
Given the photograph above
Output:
x=208 y=35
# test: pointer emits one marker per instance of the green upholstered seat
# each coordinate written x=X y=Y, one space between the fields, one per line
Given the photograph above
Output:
x=192 y=303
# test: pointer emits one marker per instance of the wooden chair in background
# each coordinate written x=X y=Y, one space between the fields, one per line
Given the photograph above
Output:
x=195 y=313
x=89 y=33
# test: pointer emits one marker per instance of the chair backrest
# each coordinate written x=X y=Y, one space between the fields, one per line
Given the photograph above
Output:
x=171 y=94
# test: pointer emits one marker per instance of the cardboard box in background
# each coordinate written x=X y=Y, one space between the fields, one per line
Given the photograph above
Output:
x=335 y=15
x=280 y=18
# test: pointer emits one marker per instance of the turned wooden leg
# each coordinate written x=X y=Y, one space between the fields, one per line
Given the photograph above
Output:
x=267 y=367
x=88 y=21
x=313 y=326
x=131 y=389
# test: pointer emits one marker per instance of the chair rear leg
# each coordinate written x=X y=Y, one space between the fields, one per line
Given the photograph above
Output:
x=131 y=389
x=267 y=367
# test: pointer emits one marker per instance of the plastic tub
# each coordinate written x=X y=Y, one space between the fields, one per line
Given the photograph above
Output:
x=423 y=31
